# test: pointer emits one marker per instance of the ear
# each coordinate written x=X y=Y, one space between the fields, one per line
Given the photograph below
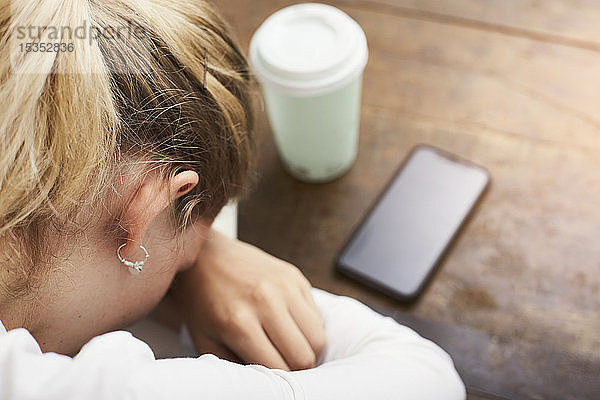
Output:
x=149 y=201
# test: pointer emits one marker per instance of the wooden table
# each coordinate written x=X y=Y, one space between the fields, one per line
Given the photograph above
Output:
x=511 y=85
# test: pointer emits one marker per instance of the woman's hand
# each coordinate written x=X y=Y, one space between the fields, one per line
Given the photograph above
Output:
x=243 y=304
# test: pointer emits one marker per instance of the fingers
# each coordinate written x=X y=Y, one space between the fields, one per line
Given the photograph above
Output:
x=307 y=315
x=307 y=295
x=249 y=341
x=205 y=345
x=308 y=318
x=288 y=338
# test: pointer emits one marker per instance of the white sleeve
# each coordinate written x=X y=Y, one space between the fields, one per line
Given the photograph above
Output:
x=367 y=357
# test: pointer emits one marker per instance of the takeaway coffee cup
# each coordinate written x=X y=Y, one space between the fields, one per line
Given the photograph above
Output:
x=309 y=59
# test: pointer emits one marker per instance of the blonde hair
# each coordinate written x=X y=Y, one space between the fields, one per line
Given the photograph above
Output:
x=175 y=92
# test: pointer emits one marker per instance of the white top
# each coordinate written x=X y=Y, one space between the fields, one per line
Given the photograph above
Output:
x=367 y=356
x=226 y=221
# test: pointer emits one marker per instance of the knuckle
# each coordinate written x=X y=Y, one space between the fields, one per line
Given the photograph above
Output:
x=291 y=271
x=235 y=322
x=306 y=284
x=300 y=278
x=295 y=271
x=262 y=292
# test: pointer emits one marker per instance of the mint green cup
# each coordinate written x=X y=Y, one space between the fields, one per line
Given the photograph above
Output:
x=309 y=59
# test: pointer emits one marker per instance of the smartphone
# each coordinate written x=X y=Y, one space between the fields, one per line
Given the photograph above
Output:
x=405 y=235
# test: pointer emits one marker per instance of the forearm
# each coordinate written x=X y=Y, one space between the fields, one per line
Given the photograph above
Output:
x=371 y=356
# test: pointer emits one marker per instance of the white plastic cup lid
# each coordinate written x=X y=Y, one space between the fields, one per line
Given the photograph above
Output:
x=308 y=49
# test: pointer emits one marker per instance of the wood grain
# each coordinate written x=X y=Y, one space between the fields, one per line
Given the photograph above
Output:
x=572 y=23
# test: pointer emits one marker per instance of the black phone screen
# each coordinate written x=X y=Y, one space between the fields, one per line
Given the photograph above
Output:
x=404 y=236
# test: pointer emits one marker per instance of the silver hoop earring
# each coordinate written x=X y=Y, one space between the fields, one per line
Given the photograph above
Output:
x=136 y=266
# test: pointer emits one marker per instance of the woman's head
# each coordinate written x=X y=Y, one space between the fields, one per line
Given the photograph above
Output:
x=138 y=121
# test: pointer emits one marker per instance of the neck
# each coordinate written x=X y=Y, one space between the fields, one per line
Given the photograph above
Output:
x=13 y=311
x=19 y=284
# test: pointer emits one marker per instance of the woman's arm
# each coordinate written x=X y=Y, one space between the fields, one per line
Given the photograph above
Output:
x=367 y=357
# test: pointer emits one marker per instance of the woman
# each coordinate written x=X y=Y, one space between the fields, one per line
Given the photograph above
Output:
x=125 y=129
